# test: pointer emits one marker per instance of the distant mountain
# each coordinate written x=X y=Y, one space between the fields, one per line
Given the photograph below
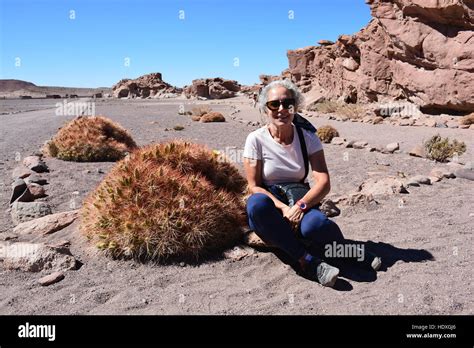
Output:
x=10 y=88
x=15 y=85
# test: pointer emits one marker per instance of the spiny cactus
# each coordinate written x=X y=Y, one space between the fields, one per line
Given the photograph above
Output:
x=440 y=149
x=326 y=133
x=89 y=139
x=190 y=158
x=155 y=205
x=212 y=117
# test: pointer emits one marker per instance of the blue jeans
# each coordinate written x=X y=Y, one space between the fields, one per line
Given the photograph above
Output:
x=315 y=230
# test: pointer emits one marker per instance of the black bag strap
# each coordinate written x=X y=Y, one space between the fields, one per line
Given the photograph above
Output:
x=304 y=151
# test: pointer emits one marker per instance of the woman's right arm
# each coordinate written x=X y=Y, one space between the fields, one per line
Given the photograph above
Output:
x=253 y=170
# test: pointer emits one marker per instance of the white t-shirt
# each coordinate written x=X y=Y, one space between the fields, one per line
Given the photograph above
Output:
x=281 y=163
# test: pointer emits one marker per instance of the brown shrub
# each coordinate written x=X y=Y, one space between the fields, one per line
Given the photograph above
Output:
x=212 y=117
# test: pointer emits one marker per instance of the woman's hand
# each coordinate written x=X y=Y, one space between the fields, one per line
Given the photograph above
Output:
x=294 y=215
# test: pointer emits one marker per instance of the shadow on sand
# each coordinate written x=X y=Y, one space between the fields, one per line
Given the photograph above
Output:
x=355 y=270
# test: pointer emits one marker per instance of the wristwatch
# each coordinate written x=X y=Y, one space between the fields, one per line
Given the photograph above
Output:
x=302 y=205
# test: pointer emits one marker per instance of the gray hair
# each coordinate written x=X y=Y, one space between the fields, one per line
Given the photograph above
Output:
x=295 y=93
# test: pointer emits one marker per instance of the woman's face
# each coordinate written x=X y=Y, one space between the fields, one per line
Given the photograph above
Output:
x=281 y=116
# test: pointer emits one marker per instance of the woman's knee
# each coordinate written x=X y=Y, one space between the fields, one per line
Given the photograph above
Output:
x=259 y=202
x=316 y=226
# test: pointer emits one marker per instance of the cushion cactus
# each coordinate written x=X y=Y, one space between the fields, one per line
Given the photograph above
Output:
x=326 y=133
x=161 y=203
x=89 y=139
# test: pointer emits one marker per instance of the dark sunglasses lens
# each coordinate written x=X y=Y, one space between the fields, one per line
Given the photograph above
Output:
x=287 y=103
x=273 y=105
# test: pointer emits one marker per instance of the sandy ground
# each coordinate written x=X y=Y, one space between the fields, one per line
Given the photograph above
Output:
x=426 y=243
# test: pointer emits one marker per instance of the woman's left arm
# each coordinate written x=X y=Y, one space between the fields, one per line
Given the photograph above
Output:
x=322 y=183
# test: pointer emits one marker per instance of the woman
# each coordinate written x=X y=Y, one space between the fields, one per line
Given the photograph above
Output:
x=274 y=155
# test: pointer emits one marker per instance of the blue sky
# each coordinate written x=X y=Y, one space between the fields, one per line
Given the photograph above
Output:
x=88 y=43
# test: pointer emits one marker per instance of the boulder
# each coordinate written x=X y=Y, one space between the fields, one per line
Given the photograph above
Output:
x=26 y=211
x=35 y=257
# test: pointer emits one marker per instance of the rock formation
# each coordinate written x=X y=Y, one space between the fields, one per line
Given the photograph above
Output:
x=212 y=88
x=421 y=51
x=150 y=85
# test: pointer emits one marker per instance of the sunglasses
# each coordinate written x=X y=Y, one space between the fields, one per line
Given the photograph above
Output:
x=275 y=104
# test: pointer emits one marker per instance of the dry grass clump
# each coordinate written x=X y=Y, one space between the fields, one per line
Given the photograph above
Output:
x=440 y=149
x=326 y=133
x=351 y=111
x=467 y=120
x=89 y=139
x=212 y=117
x=171 y=201
x=200 y=110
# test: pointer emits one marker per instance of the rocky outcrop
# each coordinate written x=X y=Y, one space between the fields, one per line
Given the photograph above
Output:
x=212 y=88
x=150 y=85
x=421 y=51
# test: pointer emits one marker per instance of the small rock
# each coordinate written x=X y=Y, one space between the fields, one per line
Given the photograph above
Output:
x=385 y=186
x=21 y=172
x=23 y=211
x=442 y=173
x=338 y=141
x=349 y=144
x=182 y=264
x=430 y=123
x=392 y=147
x=452 y=124
x=418 y=151
x=441 y=125
x=360 y=144
x=254 y=241
x=464 y=126
x=382 y=163
x=35 y=163
x=47 y=224
x=434 y=179
x=51 y=278
x=36 y=179
x=329 y=208
x=238 y=253
x=420 y=179
x=18 y=188
x=37 y=191
x=465 y=173
x=100 y=171
x=377 y=120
